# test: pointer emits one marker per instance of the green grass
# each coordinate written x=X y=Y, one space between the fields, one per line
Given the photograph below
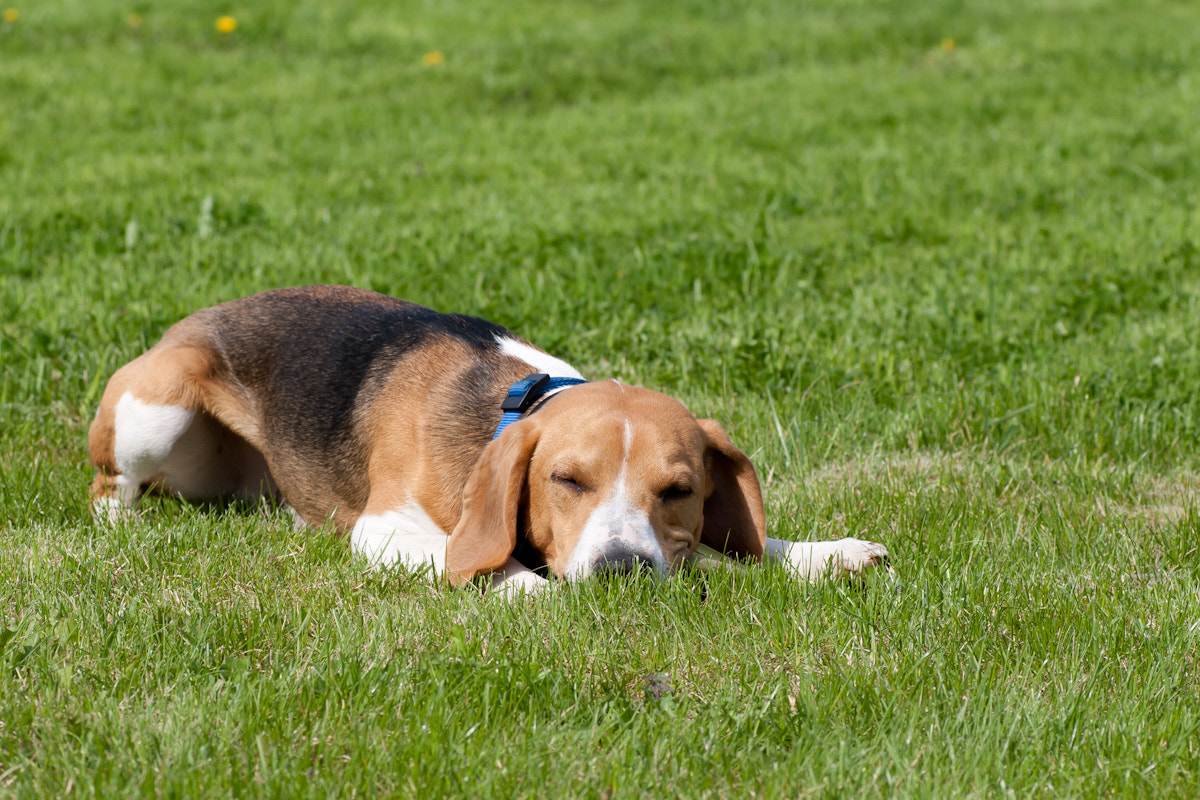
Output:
x=935 y=265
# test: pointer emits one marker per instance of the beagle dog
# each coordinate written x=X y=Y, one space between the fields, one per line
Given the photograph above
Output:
x=432 y=440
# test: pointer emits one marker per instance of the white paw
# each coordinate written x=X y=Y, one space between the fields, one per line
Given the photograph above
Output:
x=814 y=560
x=858 y=555
x=112 y=510
x=515 y=579
x=512 y=586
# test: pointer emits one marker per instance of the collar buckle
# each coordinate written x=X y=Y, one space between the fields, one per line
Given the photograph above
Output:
x=523 y=393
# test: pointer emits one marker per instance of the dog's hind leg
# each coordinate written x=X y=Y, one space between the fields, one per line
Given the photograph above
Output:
x=152 y=429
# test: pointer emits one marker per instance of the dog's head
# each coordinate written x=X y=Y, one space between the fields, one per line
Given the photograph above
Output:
x=606 y=478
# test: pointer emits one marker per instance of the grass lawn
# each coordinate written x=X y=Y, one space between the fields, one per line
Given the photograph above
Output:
x=936 y=267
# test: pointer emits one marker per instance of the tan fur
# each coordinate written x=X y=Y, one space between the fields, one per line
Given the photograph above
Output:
x=405 y=464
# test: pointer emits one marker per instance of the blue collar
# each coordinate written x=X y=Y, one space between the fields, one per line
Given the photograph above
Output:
x=524 y=393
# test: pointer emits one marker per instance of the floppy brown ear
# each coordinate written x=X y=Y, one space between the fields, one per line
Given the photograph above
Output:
x=734 y=520
x=486 y=532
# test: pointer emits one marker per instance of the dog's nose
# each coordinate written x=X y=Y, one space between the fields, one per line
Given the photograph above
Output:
x=622 y=561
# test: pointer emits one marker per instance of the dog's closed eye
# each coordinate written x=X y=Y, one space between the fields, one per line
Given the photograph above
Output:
x=675 y=492
x=570 y=482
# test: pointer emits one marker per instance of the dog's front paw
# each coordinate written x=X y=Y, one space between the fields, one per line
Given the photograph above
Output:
x=814 y=560
x=514 y=579
x=858 y=555
x=514 y=586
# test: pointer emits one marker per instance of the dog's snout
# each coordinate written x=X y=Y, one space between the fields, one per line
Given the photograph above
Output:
x=618 y=539
x=622 y=561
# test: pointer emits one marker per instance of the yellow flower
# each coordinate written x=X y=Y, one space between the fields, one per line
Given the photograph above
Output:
x=947 y=45
x=226 y=24
x=11 y=15
x=433 y=58
x=135 y=21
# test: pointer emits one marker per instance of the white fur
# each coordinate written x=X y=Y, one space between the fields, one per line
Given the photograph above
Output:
x=538 y=359
x=813 y=560
x=114 y=509
x=514 y=578
x=405 y=536
x=143 y=435
x=189 y=452
x=205 y=462
x=615 y=525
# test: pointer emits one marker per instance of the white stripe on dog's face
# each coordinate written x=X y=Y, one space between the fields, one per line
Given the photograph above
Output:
x=617 y=532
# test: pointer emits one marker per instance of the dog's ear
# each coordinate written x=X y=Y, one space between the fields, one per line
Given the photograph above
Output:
x=486 y=532
x=734 y=520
